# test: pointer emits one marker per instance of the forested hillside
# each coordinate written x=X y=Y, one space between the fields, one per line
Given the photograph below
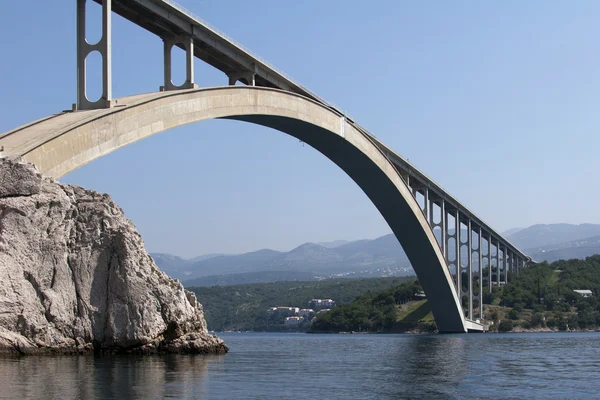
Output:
x=541 y=297
x=382 y=311
x=243 y=307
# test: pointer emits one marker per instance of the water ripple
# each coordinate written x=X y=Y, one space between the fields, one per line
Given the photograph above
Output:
x=297 y=366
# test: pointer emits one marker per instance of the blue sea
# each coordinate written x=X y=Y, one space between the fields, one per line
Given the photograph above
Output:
x=309 y=366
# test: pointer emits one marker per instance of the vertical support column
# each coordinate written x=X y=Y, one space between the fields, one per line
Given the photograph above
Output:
x=508 y=265
x=426 y=206
x=489 y=256
x=247 y=77
x=500 y=270
x=443 y=221
x=505 y=265
x=430 y=215
x=83 y=51
x=458 y=260
x=480 y=275
x=470 y=266
x=498 y=263
x=448 y=236
x=520 y=263
x=188 y=43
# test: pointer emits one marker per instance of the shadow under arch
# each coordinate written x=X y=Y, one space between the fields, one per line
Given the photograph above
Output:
x=61 y=144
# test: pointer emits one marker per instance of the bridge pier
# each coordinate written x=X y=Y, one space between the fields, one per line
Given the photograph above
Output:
x=470 y=266
x=498 y=259
x=187 y=42
x=479 y=238
x=83 y=51
x=443 y=223
x=505 y=266
x=490 y=263
x=246 y=77
x=513 y=267
x=458 y=257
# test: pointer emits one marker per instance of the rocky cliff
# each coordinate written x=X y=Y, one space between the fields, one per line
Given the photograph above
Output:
x=75 y=277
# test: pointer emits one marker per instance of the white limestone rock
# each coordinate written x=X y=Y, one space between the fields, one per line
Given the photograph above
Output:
x=75 y=277
x=18 y=178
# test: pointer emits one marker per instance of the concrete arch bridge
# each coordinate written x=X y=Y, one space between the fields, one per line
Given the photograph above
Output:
x=449 y=247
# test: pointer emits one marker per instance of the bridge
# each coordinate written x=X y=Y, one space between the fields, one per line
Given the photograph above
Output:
x=452 y=250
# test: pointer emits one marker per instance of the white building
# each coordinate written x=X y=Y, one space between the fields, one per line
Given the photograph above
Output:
x=321 y=303
x=283 y=310
x=295 y=320
x=306 y=312
x=584 y=293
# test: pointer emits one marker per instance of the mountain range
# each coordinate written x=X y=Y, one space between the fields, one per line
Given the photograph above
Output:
x=362 y=258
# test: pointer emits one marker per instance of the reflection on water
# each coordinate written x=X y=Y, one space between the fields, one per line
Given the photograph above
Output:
x=107 y=377
x=299 y=366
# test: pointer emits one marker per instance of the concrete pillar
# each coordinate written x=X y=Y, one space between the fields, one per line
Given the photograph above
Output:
x=444 y=222
x=489 y=257
x=426 y=206
x=83 y=51
x=508 y=266
x=458 y=261
x=480 y=274
x=246 y=77
x=188 y=44
x=505 y=264
x=497 y=263
x=470 y=267
x=520 y=263
x=433 y=223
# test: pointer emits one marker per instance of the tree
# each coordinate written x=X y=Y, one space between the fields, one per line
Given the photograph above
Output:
x=505 y=326
x=536 y=319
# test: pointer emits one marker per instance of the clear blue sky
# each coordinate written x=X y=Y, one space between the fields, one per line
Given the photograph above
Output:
x=496 y=101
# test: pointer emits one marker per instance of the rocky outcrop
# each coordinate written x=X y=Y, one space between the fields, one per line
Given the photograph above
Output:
x=75 y=277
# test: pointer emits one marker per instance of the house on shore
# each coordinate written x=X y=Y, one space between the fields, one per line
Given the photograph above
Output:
x=287 y=311
x=321 y=303
x=584 y=292
x=295 y=320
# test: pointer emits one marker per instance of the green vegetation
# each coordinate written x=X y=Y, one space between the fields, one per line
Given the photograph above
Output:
x=391 y=310
x=243 y=307
x=543 y=296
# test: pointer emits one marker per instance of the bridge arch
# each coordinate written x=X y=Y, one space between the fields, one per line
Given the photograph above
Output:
x=63 y=143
